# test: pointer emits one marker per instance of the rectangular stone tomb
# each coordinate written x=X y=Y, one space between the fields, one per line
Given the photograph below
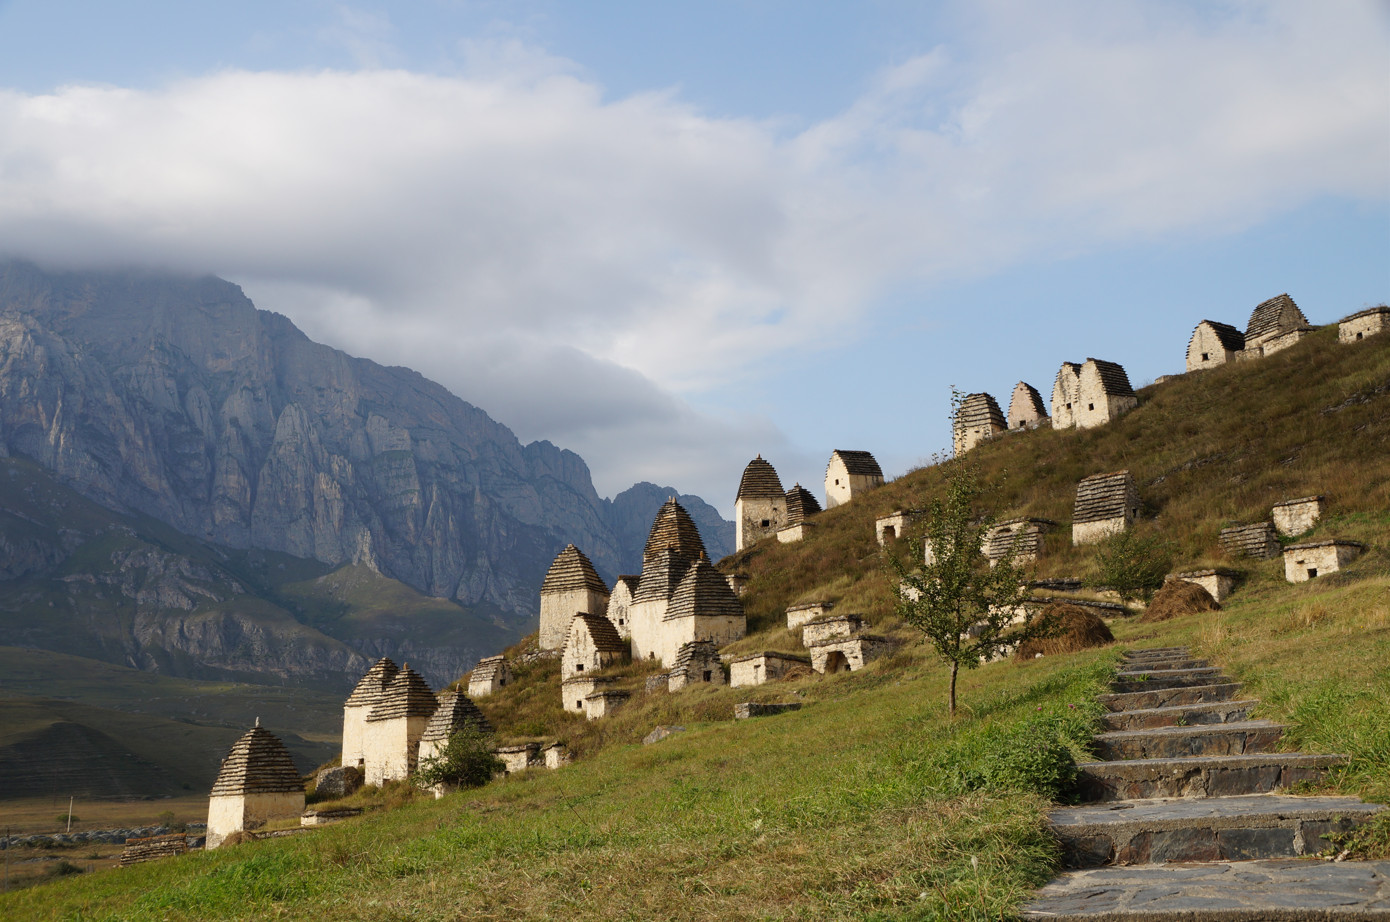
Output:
x=757 y=668
x=604 y=703
x=575 y=690
x=327 y=817
x=846 y=654
x=1303 y=562
x=1293 y=517
x=766 y=709
x=1218 y=583
x=846 y=625
x=797 y=615
x=1363 y=324
x=518 y=758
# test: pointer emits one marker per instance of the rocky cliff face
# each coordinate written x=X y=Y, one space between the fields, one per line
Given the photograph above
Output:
x=177 y=398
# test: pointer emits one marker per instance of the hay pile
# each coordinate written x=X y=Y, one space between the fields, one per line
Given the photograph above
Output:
x=1177 y=598
x=1077 y=629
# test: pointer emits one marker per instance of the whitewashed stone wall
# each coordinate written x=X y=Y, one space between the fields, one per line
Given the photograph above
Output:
x=1218 y=585
x=758 y=517
x=519 y=758
x=558 y=610
x=1303 y=562
x=841 y=486
x=846 y=653
x=1367 y=323
x=391 y=748
x=1095 y=532
x=354 y=733
x=1094 y=407
x=604 y=703
x=1283 y=341
x=794 y=533
x=619 y=609
x=719 y=629
x=833 y=626
x=763 y=667
x=797 y=615
x=229 y=814
x=1295 y=516
x=1206 y=350
x=1066 y=393
x=574 y=691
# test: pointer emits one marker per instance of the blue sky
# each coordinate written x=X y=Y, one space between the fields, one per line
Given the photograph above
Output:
x=673 y=235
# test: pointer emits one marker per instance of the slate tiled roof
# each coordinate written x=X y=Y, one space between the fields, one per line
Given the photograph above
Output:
x=1026 y=404
x=1103 y=496
x=1229 y=337
x=673 y=528
x=454 y=712
x=408 y=695
x=1300 y=501
x=1259 y=541
x=257 y=764
x=488 y=667
x=858 y=462
x=661 y=574
x=370 y=687
x=572 y=570
x=704 y=592
x=1021 y=536
x=801 y=505
x=759 y=481
x=1277 y=315
x=1113 y=378
x=602 y=634
x=979 y=411
x=695 y=651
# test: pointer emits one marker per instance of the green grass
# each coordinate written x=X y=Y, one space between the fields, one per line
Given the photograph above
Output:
x=841 y=810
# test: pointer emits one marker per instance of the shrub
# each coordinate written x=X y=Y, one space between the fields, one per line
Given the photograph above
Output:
x=1131 y=565
x=466 y=761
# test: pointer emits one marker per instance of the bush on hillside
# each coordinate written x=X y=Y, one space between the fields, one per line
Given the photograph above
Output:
x=1177 y=598
x=1132 y=565
x=466 y=761
x=1075 y=629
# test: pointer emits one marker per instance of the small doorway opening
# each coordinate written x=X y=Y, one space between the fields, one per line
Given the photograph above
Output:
x=836 y=662
x=1312 y=572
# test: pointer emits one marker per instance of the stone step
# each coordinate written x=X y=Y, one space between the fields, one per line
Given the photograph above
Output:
x=1169 y=697
x=1155 y=651
x=1233 y=739
x=1203 y=829
x=1226 y=891
x=1167 y=678
x=1185 y=662
x=1181 y=715
x=1200 y=776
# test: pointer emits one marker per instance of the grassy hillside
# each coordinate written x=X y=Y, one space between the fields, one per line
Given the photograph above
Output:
x=868 y=802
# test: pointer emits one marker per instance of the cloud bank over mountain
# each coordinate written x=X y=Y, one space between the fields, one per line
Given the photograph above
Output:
x=590 y=269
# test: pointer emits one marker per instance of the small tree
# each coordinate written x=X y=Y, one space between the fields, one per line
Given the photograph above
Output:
x=964 y=608
x=1133 y=566
x=466 y=761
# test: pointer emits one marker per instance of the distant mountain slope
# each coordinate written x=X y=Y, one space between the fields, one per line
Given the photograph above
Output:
x=176 y=398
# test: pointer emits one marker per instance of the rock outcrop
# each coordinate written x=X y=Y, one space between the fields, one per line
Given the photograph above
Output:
x=176 y=398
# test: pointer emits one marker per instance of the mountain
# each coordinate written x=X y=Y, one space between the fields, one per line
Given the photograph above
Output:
x=175 y=398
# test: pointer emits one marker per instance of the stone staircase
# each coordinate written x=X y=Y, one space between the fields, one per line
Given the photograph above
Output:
x=1184 y=820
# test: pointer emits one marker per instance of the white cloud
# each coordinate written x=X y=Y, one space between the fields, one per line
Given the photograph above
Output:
x=582 y=267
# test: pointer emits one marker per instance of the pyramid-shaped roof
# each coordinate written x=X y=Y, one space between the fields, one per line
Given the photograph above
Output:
x=1103 y=496
x=1229 y=337
x=661 y=574
x=454 y=712
x=572 y=570
x=373 y=683
x=858 y=462
x=1277 y=315
x=673 y=529
x=801 y=505
x=1114 y=380
x=979 y=410
x=257 y=764
x=760 y=481
x=704 y=592
x=1026 y=404
x=602 y=634
x=408 y=695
